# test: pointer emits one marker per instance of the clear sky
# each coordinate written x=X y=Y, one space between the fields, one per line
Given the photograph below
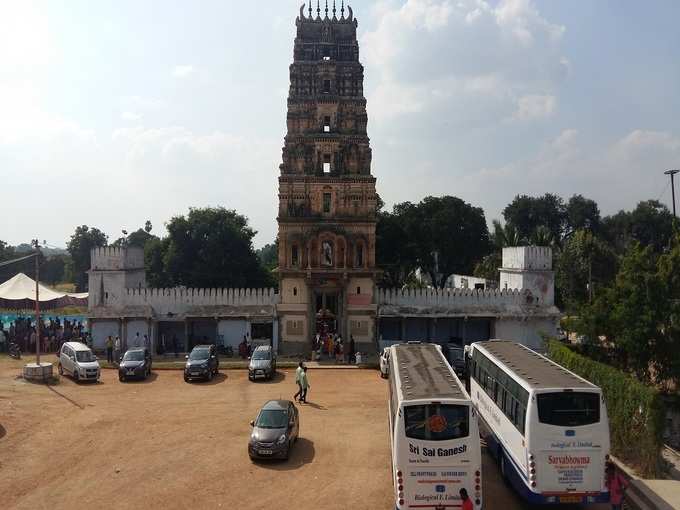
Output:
x=115 y=112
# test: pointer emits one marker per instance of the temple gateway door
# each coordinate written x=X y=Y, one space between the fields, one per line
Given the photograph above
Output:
x=327 y=311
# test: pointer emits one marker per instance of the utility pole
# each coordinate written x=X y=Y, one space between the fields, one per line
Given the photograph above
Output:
x=36 y=243
x=672 y=173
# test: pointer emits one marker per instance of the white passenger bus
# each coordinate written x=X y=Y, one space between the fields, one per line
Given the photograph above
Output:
x=434 y=434
x=547 y=427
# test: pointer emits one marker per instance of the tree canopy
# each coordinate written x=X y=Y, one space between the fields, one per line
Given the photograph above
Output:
x=638 y=314
x=439 y=235
x=209 y=247
x=527 y=213
x=79 y=246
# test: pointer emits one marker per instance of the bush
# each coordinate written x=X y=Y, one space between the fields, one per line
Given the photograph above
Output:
x=636 y=416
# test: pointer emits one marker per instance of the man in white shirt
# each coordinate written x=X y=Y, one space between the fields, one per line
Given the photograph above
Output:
x=116 y=349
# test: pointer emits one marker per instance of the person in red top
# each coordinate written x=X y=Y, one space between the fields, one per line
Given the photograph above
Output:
x=616 y=485
x=467 y=502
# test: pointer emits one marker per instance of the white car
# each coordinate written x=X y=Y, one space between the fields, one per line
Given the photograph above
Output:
x=385 y=363
x=79 y=361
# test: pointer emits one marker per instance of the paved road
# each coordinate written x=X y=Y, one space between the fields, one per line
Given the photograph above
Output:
x=498 y=496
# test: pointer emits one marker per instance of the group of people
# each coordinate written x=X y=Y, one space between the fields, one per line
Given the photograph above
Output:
x=53 y=333
x=331 y=345
x=114 y=345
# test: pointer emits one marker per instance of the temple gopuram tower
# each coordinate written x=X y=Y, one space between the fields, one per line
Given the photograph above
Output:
x=327 y=198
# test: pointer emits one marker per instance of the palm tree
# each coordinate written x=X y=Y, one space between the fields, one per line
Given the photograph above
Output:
x=504 y=236
x=542 y=236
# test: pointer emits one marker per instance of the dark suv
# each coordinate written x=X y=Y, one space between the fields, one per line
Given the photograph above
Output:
x=135 y=363
x=202 y=363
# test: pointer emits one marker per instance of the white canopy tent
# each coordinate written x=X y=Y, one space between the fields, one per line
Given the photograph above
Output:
x=19 y=292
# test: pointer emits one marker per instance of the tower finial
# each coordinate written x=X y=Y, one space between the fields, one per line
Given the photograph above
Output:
x=342 y=9
x=334 y=8
x=310 y=9
x=318 y=10
x=327 y=8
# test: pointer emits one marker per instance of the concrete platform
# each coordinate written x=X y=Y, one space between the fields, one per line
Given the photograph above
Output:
x=38 y=372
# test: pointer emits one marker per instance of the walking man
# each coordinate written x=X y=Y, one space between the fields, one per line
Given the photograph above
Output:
x=304 y=384
x=109 y=349
x=116 y=348
x=298 y=380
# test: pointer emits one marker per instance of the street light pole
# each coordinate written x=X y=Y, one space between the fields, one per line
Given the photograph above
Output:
x=37 y=301
x=672 y=173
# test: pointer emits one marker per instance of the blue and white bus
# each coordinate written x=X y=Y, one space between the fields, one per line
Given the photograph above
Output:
x=434 y=434
x=547 y=426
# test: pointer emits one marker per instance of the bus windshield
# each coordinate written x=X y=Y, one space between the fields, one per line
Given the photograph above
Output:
x=436 y=422
x=568 y=408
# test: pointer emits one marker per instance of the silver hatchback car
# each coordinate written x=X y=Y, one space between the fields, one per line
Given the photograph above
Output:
x=262 y=363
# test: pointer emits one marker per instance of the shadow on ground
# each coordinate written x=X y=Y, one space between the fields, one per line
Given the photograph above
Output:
x=301 y=453
x=152 y=377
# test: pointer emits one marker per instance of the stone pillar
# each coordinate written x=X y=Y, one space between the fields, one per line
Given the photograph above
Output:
x=186 y=335
x=124 y=339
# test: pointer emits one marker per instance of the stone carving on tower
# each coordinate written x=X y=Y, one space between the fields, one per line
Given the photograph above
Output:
x=327 y=198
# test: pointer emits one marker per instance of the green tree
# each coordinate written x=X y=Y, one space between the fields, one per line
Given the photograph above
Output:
x=542 y=236
x=154 y=251
x=489 y=266
x=449 y=235
x=584 y=263
x=395 y=252
x=269 y=255
x=211 y=247
x=79 y=246
x=505 y=235
x=650 y=224
x=582 y=214
x=527 y=213
x=629 y=313
x=7 y=252
x=52 y=269
x=137 y=238
x=667 y=364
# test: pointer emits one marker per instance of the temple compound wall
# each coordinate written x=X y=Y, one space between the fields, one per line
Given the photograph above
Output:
x=120 y=304
x=521 y=309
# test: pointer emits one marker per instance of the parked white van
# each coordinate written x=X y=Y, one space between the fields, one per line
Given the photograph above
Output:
x=79 y=361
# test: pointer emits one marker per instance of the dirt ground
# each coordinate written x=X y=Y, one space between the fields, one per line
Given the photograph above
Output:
x=165 y=443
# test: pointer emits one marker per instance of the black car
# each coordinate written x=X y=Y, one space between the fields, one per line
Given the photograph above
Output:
x=275 y=429
x=202 y=363
x=135 y=363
